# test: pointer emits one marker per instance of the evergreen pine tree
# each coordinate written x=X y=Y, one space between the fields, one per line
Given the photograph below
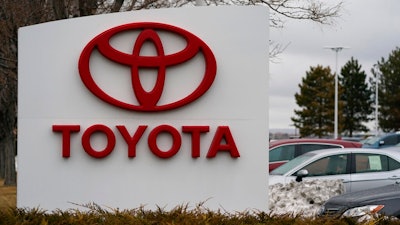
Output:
x=355 y=98
x=316 y=100
x=388 y=72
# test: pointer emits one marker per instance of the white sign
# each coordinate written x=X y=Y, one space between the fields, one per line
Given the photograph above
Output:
x=146 y=108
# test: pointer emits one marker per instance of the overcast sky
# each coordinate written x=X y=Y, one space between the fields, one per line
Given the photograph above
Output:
x=369 y=28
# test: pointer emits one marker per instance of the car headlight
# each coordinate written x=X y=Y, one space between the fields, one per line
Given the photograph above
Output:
x=363 y=210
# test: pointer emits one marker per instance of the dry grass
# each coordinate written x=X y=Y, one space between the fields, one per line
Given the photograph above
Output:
x=181 y=215
x=8 y=196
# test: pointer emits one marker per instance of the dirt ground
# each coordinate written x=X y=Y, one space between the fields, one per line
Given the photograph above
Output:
x=8 y=196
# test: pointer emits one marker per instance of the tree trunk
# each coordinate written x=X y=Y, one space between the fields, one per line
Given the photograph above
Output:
x=2 y=159
x=10 y=177
x=59 y=9
x=117 y=5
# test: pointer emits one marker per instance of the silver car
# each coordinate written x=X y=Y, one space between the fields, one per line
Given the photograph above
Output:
x=358 y=168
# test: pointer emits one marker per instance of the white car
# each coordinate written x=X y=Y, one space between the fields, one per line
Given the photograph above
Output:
x=358 y=168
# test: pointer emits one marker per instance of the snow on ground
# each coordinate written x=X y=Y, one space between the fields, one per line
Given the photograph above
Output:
x=302 y=198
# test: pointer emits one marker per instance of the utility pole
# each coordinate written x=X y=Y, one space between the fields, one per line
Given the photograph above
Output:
x=336 y=50
x=376 y=104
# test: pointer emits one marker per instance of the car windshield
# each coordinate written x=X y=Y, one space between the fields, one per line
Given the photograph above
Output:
x=371 y=140
x=291 y=164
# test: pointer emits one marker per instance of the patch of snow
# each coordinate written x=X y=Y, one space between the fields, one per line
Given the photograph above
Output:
x=302 y=198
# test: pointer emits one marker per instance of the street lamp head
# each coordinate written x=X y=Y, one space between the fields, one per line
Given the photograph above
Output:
x=336 y=48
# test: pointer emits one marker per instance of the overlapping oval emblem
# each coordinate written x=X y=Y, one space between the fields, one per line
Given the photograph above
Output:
x=147 y=100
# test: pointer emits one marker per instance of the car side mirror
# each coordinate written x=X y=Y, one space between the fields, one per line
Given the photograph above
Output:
x=301 y=174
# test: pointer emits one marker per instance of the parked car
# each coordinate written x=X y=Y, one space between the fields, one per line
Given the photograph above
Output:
x=281 y=151
x=358 y=168
x=384 y=141
x=383 y=200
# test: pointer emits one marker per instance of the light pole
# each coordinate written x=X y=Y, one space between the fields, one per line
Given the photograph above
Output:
x=376 y=105
x=336 y=50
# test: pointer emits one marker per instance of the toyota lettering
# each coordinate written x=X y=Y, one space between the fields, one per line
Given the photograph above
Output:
x=222 y=141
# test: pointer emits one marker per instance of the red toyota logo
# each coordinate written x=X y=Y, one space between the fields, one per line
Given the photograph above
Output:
x=147 y=100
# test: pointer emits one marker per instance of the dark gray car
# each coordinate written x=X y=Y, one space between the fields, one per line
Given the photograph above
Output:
x=383 y=200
